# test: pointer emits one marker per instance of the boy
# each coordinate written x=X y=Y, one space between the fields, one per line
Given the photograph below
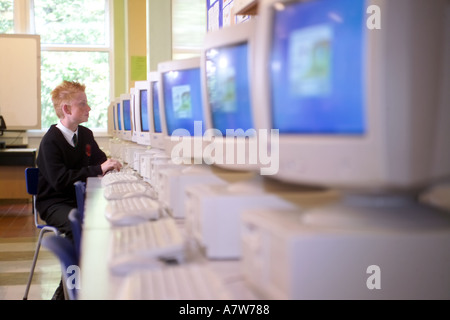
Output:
x=67 y=153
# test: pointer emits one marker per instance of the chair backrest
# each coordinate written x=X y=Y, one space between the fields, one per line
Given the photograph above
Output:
x=80 y=191
x=31 y=180
x=75 y=223
x=65 y=251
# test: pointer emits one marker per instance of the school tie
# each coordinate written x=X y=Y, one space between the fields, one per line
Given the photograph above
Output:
x=75 y=139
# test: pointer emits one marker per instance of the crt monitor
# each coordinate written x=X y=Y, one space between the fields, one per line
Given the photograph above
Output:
x=226 y=73
x=125 y=109
x=111 y=119
x=356 y=106
x=2 y=124
x=156 y=134
x=2 y=129
x=133 y=114
x=142 y=113
x=118 y=118
x=355 y=89
x=181 y=109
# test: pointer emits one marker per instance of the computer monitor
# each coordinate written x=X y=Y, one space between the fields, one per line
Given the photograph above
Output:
x=142 y=113
x=2 y=129
x=111 y=119
x=354 y=88
x=133 y=109
x=156 y=134
x=117 y=118
x=125 y=109
x=181 y=109
x=356 y=108
x=2 y=124
x=226 y=73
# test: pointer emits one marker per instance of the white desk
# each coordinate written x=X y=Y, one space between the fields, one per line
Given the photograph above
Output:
x=99 y=283
x=95 y=204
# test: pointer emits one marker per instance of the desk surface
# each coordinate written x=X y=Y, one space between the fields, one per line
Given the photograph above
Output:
x=99 y=283
x=16 y=150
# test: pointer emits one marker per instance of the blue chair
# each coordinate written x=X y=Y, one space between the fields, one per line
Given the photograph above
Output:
x=76 y=225
x=80 y=191
x=31 y=180
x=64 y=249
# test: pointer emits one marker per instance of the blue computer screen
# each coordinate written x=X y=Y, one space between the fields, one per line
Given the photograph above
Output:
x=114 y=117
x=227 y=82
x=126 y=115
x=119 y=117
x=143 y=110
x=183 y=100
x=156 y=116
x=317 y=67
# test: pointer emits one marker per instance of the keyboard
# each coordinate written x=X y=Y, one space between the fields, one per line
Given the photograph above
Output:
x=119 y=177
x=145 y=245
x=128 y=190
x=193 y=281
x=129 y=211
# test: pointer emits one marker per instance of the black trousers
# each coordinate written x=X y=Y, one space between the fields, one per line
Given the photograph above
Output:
x=57 y=216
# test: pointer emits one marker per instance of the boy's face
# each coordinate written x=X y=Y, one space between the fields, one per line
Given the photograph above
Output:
x=79 y=108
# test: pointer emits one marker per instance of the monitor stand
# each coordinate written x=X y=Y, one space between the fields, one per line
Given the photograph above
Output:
x=365 y=246
x=395 y=212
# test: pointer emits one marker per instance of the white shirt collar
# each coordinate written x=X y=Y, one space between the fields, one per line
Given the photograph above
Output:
x=67 y=133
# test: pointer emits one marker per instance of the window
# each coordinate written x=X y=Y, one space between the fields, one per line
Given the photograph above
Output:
x=75 y=45
x=189 y=27
x=6 y=16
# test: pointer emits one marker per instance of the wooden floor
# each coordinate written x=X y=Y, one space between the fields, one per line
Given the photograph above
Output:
x=18 y=237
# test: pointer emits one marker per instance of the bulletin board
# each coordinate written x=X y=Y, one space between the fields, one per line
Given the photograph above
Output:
x=222 y=13
x=214 y=9
x=20 y=81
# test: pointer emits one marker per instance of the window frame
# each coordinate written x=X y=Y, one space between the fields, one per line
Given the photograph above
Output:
x=24 y=23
